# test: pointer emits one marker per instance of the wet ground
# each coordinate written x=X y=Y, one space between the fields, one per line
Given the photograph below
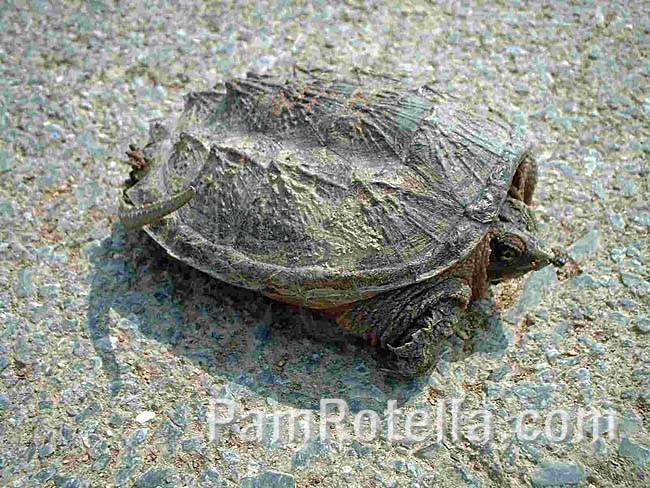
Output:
x=110 y=351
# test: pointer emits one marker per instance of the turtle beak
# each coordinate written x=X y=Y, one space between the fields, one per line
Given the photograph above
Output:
x=541 y=258
x=532 y=260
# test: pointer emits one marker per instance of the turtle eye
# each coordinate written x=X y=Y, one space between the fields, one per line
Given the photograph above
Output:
x=506 y=253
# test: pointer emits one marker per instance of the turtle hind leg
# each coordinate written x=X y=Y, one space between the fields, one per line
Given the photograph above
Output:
x=139 y=163
x=149 y=214
x=136 y=156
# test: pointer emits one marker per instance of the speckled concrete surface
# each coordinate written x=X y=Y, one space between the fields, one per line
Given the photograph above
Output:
x=110 y=350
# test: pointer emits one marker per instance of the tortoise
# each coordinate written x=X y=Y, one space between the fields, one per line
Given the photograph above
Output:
x=389 y=207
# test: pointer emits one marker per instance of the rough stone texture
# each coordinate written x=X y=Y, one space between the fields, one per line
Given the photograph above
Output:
x=557 y=474
x=99 y=326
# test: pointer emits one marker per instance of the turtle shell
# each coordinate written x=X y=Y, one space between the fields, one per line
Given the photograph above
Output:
x=323 y=192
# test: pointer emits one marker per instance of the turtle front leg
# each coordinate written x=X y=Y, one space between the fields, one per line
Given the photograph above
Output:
x=411 y=323
x=524 y=181
x=417 y=351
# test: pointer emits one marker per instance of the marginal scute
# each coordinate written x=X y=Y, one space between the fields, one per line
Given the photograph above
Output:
x=484 y=209
x=322 y=192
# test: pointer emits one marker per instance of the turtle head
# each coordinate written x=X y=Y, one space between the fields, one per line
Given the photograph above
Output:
x=515 y=247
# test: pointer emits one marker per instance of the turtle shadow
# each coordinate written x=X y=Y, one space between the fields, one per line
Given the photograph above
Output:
x=270 y=348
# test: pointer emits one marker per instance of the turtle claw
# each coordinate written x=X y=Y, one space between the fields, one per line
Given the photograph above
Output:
x=136 y=157
x=417 y=353
x=413 y=357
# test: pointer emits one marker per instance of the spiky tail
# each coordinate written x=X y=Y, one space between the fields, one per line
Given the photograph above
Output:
x=148 y=214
